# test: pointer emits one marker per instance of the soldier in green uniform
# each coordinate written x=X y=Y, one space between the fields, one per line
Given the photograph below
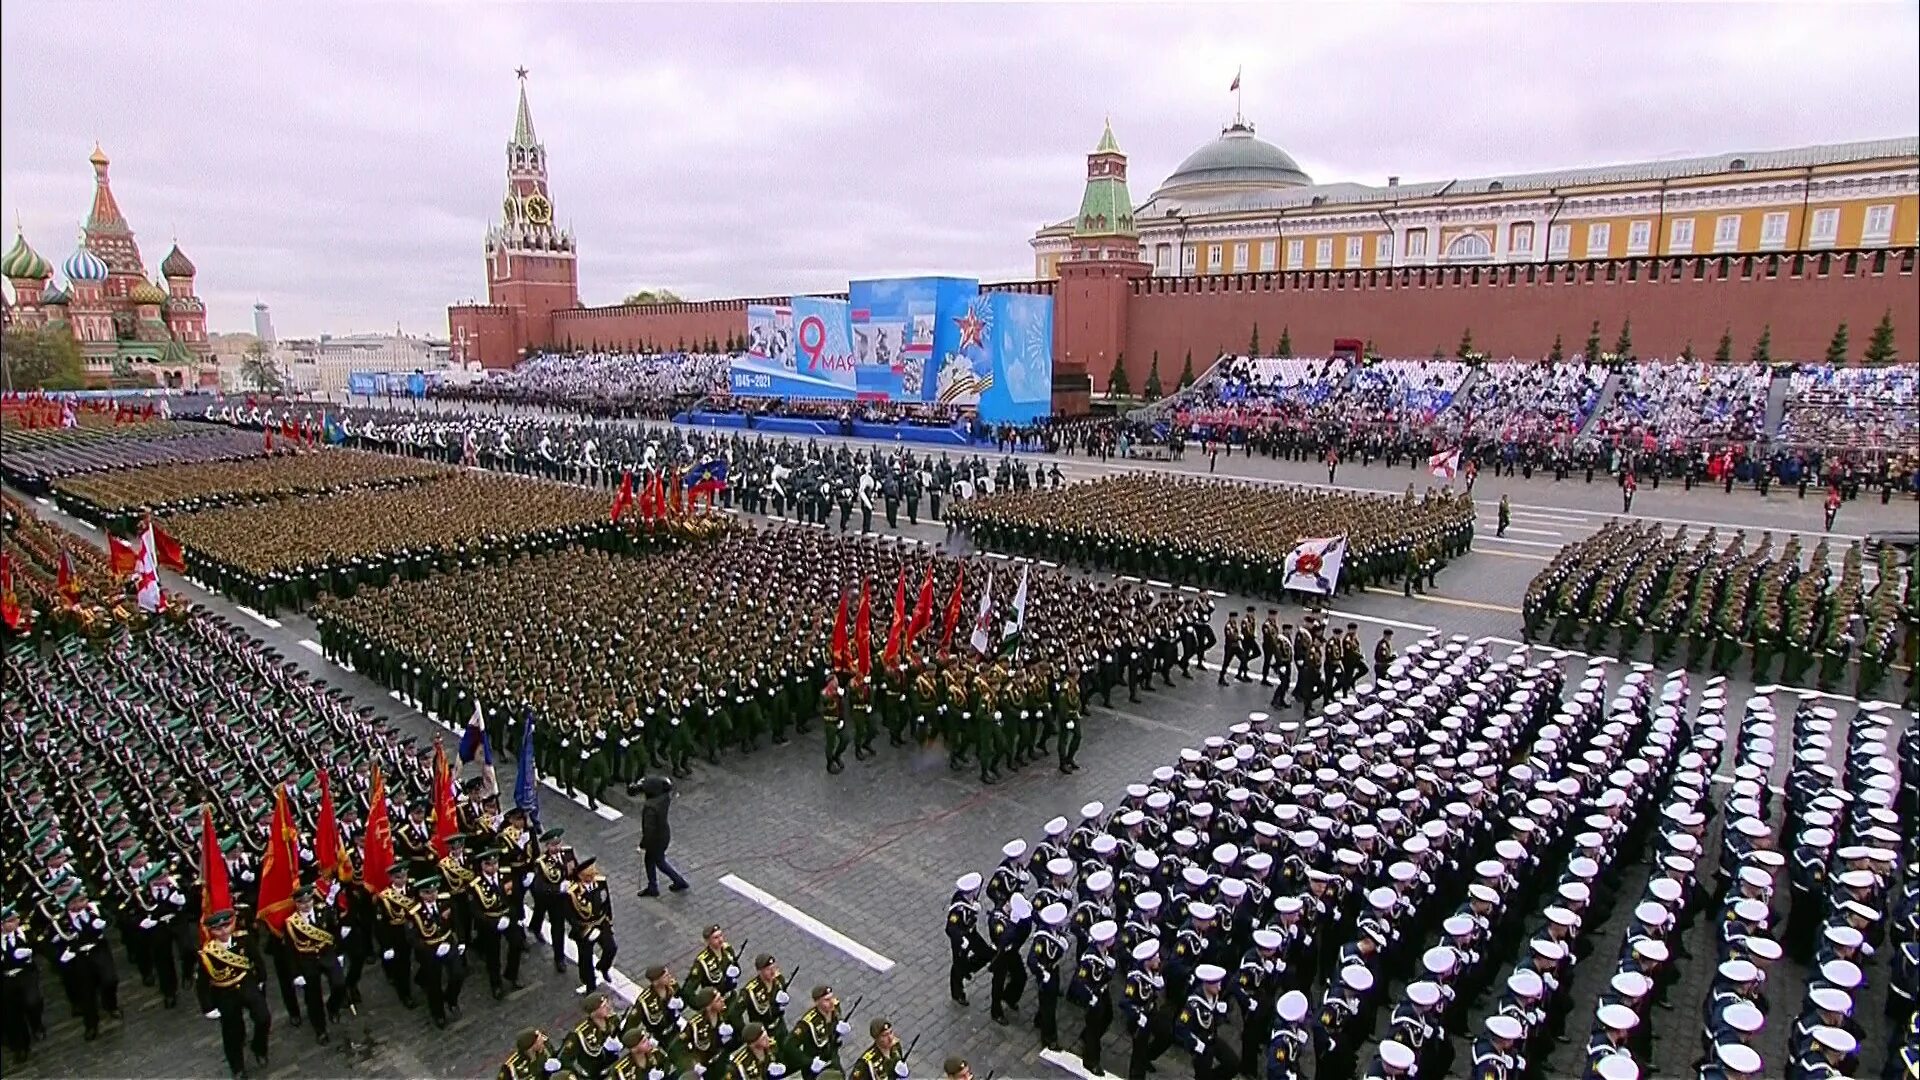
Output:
x=884 y=1059
x=814 y=1044
x=591 y=1048
x=763 y=999
x=833 y=722
x=717 y=964
x=755 y=1059
x=530 y=1058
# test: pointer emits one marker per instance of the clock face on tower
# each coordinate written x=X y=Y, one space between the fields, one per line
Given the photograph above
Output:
x=539 y=211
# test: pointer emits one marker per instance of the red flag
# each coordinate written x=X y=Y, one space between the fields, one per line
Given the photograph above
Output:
x=290 y=429
x=673 y=494
x=376 y=848
x=922 y=609
x=269 y=440
x=445 y=823
x=329 y=854
x=214 y=895
x=897 y=626
x=280 y=868
x=66 y=585
x=121 y=558
x=166 y=551
x=10 y=612
x=953 y=610
x=840 y=636
x=862 y=636
x=624 y=497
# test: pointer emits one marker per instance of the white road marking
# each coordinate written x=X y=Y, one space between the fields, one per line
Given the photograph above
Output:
x=1560 y=519
x=1160 y=584
x=603 y=811
x=1478 y=539
x=311 y=646
x=88 y=525
x=993 y=555
x=252 y=614
x=1396 y=623
x=1189 y=588
x=41 y=501
x=1069 y=1062
x=808 y=923
x=1515 y=555
x=1530 y=532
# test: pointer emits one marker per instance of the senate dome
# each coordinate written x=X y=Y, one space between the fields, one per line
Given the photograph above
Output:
x=1236 y=161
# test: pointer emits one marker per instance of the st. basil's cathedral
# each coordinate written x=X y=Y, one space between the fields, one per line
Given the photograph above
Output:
x=124 y=322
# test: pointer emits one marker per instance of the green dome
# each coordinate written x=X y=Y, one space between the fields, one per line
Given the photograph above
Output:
x=23 y=263
x=1236 y=160
x=147 y=293
x=54 y=295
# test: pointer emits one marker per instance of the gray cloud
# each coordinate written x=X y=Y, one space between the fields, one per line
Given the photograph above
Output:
x=340 y=162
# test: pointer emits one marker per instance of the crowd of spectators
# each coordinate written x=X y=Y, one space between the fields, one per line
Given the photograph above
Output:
x=1684 y=403
x=1852 y=408
x=1514 y=401
x=651 y=386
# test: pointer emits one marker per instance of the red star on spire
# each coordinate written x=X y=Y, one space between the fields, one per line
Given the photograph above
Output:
x=972 y=329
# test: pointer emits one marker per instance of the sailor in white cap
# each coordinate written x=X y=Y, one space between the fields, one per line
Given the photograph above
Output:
x=1612 y=1029
x=1291 y=1044
x=1835 y=1051
x=1630 y=990
x=1048 y=849
x=1256 y=985
x=1008 y=929
x=1735 y=1023
x=1393 y=1059
x=1140 y=920
x=1049 y=946
x=1417 y=1022
x=1826 y=1007
x=969 y=951
x=1737 y=1061
x=1143 y=1004
x=1344 y=1022
x=1057 y=885
x=1200 y=1023
x=1090 y=989
x=1011 y=875
x=1096 y=902
x=1079 y=845
x=1497 y=1053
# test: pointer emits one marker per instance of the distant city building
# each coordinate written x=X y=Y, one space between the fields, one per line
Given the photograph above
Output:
x=323 y=365
x=124 y=322
x=1240 y=204
x=263 y=323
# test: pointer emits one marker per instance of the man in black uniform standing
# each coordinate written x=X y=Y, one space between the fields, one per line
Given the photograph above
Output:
x=232 y=972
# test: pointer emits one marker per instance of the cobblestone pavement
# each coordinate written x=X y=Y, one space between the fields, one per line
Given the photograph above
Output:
x=872 y=853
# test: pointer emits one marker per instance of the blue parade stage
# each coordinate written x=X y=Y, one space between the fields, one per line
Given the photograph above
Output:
x=794 y=425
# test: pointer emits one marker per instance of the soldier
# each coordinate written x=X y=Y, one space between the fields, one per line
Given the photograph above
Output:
x=717 y=964
x=593 y=1046
x=1270 y=645
x=441 y=959
x=552 y=871
x=496 y=926
x=393 y=912
x=531 y=1059
x=163 y=926
x=968 y=951
x=21 y=1005
x=705 y=1033
x=1506 y=514
x=833 y=721
x=85 y=960
x=590 y=917
x=1009 y=927
x=231 y=972
x=1092 y=977
x=816 y=1035
x=1144 y=1004
x=314 y=937
x=884 y=1059
x=1292 y=1044
x=1201 y=1025
x=763 y=1000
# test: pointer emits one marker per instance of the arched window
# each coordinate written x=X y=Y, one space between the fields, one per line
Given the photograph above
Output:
x=1468 y=247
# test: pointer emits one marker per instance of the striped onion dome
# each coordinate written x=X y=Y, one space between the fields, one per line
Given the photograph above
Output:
x=23 y=263
x=84 y=265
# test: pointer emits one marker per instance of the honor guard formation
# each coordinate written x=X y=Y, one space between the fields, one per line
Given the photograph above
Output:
x=286 y=684
x=1409 y=884
x=1722 y=605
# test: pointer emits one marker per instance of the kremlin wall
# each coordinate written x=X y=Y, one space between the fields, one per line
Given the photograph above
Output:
x=1792 y=241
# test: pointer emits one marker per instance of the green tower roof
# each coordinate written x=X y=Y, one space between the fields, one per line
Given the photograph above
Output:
x=1106 y=208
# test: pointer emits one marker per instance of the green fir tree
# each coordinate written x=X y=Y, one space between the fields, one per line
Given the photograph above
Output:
x=1151 y=391
x=1186 y=371
x=1880 y=348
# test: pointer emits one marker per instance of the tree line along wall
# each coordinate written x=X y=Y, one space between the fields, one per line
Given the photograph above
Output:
x=1516 y=311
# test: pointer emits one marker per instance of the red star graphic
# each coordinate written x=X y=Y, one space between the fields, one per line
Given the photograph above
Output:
x=972 y=329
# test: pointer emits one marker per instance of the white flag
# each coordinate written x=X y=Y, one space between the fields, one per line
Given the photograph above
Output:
x=146 y=571
x=983 y=622
x=1010 y=634
x=1445 y=463
x=1314 y=566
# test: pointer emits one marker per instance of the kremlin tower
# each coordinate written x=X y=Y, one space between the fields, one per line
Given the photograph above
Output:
x=1096 y=276
x=121 y=320
x=531 y=267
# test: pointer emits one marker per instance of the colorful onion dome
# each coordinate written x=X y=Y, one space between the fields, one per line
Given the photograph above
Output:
x=84 y=265
x=147 y=293
x=55 y=295
x=22 y=262
x=176 y=264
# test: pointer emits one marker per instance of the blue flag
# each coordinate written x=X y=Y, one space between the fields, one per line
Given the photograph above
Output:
x=526 y=785
x=474 y=741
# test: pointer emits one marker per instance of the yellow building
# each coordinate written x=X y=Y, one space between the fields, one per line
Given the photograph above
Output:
x=1240 y=204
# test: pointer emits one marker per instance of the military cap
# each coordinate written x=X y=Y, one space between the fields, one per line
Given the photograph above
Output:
x=763 y=961
x=751 y=1032
x=954 y=1066
x=820 y=991
x=654 y=971
x=223 y=917
x=704 y=996
x=525 y=1040
x=426 y=884
x=592 y=1002
x=879 y=1026
x=552 y=835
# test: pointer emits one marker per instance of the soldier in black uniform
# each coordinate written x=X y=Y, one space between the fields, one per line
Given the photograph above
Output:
x=21 y=1005
x=496 y=925
x=313 y=935
x=969 y=951
x=85 y=960
x=590 y=917
x=1143 y=1003
x=442 y=959
x=232 y=972
x=1270 y=645
x=164 y=927
x=1092 y=978
x=1009 y=927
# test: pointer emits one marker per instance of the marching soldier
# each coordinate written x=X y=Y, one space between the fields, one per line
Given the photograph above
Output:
x=1009 y=927
x=968 y=951
x=552 y=871
x=1092 y=977
x=442 y=961
x=593 y=1046
x=1044 y=953
x=85 y=960
x=1144 y=1004
x=314 y=937
x=21 y=1005
x=716 y=965
x=884 y=1059
x=755 y=1059
x=590 y=914
x=1200 y=1026
x=816 y=1035
x=763 y=1000
x=393 y=910
x=231 y=971
x=531 y=1059
x=496 y=928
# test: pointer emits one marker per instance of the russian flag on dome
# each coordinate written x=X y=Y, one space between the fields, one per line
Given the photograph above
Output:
x=1313 y=566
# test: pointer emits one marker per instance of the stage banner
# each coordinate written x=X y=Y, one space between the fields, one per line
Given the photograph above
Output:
x=770 y=334
x=1020 y=340
x=822 y=364
x=361 y=382
x=895 y=324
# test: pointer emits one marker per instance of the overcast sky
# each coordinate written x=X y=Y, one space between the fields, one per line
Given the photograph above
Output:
x=341 y=163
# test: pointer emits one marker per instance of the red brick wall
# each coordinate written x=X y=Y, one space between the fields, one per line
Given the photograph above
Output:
x=1670 y=302
x=627 y=326
x=492 y=334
